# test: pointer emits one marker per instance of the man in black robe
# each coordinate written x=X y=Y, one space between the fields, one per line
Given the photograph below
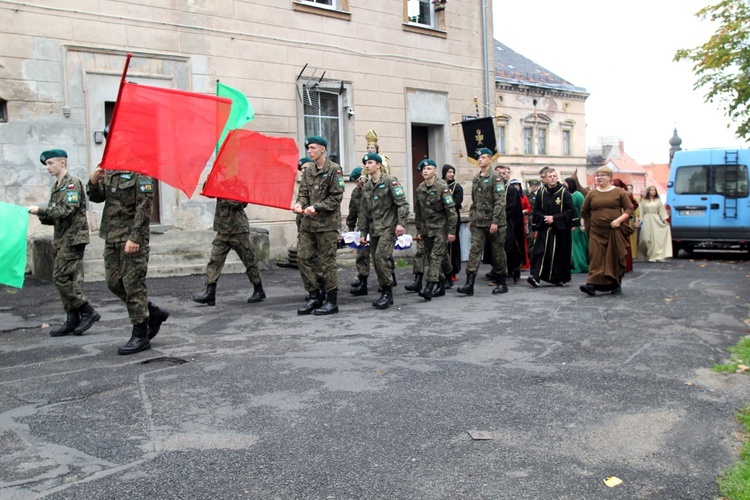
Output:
x=454 y=249
x=514 y=233
x=553 y=217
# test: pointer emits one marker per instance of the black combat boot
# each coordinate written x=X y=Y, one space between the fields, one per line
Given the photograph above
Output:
x=393 y=277
x=258 y=294
x=448 y=283
x=491 y=275
x=72 y=320
x=440 y=288
x=501 y=286
x=330 y=306
x=355 y=283
x=417 y=285
x=88 y=317
x=315 y=301
x=208 y=297
x=426 y=292
x=156 y=316
x=138 y=341
x=360 y=289
x=468 y=288
x=386 y=298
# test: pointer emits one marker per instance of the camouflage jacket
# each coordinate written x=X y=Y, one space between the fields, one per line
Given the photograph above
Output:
x=66 y=211
x=354 y=203
x=487 y=200
x=435 y=210
x=383 y=206
x=128 y=198
x=324 y=188
x=230 y=217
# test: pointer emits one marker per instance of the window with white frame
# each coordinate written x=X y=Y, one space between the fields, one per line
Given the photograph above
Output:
x=421 y=12
x=324 y=113
x=528 y=140
x=535 y=128
x=567 y=137
x=323 y=3
x=541 y=139
x=501 y=133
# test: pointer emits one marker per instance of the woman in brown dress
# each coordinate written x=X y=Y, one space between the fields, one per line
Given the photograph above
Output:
x=606 y=211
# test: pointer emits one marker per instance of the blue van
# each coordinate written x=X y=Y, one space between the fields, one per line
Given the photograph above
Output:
x=709 y=200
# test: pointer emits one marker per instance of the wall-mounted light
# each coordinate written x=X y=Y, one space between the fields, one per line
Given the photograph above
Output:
x=98 y=136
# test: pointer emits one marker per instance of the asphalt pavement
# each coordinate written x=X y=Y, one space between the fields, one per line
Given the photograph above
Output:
x=562 y=391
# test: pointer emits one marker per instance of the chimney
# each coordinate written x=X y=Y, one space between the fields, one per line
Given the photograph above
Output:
x=622 y=146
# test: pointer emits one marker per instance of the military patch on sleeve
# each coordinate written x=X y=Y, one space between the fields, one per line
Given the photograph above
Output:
x=499 y=186
x=341 y=180
x=70 y=186
x=398 y=191
x=394 y=183
x=72 y=197
x=145 y=186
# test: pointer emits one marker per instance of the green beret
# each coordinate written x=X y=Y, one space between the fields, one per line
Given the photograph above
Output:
x=483 y=151
x=52 y=153
x=372 y=156
x=355 y=174
x=316 y=139
x=533 y=183
x=424 y=162
x=302 y=161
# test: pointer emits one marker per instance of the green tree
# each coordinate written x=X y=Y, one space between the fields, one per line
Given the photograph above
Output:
x=722 y=64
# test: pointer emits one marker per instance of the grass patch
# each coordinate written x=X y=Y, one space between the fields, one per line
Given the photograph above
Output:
x=401 y=263
x=735 y=483
x=740 y=356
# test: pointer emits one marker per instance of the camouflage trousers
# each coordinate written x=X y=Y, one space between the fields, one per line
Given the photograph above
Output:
x=418 y=264
x=363 y=262
x=68 y=262
x=436 y=251
x=478 y=237
x=316 y=257
x=381 y=250
x=220 y=248
x=126 y=277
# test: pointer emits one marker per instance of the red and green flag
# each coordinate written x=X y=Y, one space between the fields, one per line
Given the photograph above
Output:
x=242 y=111
x=254 y=168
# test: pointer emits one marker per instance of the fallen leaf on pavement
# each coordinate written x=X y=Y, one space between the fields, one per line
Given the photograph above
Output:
x=612 y=481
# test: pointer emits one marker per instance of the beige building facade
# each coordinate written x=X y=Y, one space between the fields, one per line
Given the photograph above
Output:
x=541 y=119
x=404 y=68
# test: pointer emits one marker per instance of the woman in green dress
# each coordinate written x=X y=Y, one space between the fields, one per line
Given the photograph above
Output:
x=580 y=239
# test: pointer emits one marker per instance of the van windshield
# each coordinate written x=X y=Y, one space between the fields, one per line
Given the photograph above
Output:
x=727 y=180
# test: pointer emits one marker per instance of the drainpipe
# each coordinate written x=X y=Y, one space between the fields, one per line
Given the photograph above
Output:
x=485 y=55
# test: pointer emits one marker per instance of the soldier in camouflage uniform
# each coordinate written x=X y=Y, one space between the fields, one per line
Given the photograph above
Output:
x=66 y=211
x=487 y=220
x=384 y=212
x=128 y=198
x=435 y=217
x=319 y=197
x=232 y=233
x=359 y=287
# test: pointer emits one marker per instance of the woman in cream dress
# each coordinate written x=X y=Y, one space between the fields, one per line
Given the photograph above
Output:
x=655 y=242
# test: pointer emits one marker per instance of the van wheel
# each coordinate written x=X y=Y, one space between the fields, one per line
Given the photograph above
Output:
x=676 y=249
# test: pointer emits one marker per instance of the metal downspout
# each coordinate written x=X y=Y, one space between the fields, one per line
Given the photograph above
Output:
x=485 y=55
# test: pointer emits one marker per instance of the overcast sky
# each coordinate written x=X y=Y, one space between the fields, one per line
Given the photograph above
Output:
x=621 y=53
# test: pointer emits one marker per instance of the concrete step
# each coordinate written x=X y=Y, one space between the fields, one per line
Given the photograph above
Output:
x=173 y=253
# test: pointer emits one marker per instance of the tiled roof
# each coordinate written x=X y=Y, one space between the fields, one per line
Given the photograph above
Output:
x=512 y=67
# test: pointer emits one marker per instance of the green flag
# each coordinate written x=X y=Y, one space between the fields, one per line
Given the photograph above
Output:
x=242 y=111
x=13 y=244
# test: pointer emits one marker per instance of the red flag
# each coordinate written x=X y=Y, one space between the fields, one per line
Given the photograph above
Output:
x=164 y=133
x=254 y=168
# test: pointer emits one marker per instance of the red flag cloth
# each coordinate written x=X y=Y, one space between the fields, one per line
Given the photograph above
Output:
x=164 y=133
x=254 y=168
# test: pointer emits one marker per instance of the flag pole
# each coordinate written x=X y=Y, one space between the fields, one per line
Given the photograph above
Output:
x=117 y=103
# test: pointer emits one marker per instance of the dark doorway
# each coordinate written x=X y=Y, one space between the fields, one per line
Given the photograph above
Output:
x=420 y=150
x=109 y=109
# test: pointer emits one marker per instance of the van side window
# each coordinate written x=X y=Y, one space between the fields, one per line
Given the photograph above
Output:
x=693 y=179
